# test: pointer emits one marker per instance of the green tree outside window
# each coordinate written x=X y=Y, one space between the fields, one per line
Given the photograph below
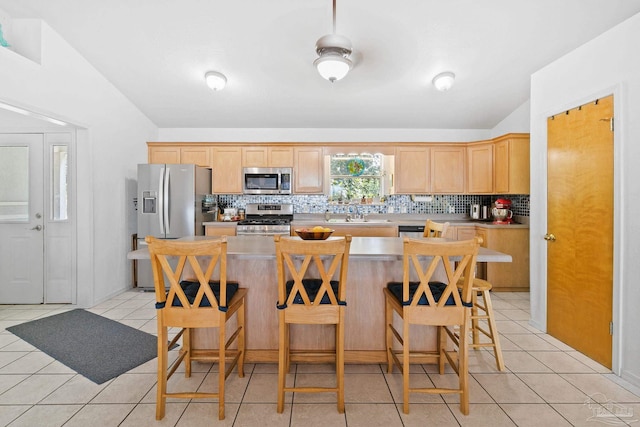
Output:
x=354 y=176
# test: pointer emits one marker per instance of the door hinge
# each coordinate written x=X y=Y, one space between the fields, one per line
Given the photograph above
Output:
x=610 y=328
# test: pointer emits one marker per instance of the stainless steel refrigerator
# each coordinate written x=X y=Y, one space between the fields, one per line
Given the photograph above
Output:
x=170 y=206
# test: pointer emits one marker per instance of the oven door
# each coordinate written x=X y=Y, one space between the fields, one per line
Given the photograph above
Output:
x=244 y=232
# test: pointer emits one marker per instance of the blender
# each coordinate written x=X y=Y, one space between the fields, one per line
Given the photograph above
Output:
x=502 y=213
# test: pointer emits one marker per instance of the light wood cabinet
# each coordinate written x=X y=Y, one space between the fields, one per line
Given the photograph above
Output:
x=266 y=156
x=200 y=156
x=504 y=276
x=166 y=154
x=498 y=166
x=280 y=157
x=178 y=154
x=254 y=157
x=465 y=233
x=511 y=165
x=308 y=173
x=412 y=173
x=514 y=275
x=227 y=169
x=226 y=230
x=480 y=168
x=447 y=169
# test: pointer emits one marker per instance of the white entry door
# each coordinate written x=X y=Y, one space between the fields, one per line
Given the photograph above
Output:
x=21 y=219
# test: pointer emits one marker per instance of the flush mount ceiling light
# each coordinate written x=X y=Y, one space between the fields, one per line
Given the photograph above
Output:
x=215 y=80
x=444 y=81
x=334 y=50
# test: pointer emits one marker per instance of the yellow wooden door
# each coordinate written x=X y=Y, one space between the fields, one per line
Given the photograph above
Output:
x=580 y=218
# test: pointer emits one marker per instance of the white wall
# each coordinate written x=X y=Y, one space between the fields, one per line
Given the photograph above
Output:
x=324 y=135
x=516 y=122
x=110 y=145
x=605 y=65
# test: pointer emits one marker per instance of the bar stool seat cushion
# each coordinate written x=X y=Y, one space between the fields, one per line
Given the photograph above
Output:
x=437 y=288
x=312 y=286
x=191 y=289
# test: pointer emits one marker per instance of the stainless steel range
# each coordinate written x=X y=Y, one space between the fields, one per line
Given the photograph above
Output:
x=266 y=220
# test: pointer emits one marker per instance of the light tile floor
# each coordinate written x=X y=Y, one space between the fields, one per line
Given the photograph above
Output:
x=546 y=383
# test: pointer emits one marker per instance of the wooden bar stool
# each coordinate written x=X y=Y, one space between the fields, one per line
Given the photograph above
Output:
x=431 y=302
x=312 y=290
x=435 y=229
x=483 y=311
x=196 y=300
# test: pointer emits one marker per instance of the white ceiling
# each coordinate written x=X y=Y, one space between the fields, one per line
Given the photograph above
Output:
x=156 y=52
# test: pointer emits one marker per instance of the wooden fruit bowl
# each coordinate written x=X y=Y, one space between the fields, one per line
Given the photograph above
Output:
x=314 y=235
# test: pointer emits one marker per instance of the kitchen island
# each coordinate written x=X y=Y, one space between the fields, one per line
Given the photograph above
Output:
x=373 y=261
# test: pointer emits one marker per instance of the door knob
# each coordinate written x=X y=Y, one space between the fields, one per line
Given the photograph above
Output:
x=37 y=227
x=549 y=237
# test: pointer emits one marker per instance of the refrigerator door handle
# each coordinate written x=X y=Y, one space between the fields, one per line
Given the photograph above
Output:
x=165 y=205
x=161 y=200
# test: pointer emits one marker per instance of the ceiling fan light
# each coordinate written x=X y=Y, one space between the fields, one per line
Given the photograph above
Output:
x=215 y=80
x=444 y=81
x=332 y=66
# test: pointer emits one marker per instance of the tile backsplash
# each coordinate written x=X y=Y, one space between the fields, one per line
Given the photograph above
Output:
x=402 y=203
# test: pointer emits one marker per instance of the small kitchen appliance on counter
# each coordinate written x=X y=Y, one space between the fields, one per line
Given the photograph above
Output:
x=266 y=220
x=479 y=212
x=502 y=213
x=474 y=212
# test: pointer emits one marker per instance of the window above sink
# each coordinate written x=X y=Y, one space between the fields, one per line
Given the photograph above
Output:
x=354 y=176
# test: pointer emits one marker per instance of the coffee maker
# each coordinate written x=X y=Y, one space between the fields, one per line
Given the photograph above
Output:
x=502 y=213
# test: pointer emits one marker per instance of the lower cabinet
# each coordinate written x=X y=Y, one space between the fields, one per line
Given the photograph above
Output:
x=225 y=230
x=368 y=231
x=504 y=276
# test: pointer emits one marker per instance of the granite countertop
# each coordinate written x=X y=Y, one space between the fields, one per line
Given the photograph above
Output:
x=361 y=247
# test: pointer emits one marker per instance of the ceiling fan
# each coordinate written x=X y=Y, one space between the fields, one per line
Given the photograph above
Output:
x=333 y=51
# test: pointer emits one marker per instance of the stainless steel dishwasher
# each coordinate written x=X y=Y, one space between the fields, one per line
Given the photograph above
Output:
x=412 y=231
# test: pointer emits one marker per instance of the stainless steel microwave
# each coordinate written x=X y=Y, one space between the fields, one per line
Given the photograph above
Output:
x=267 y=180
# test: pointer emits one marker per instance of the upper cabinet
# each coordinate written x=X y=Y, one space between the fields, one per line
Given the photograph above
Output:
x=447 y=169
x=497 y=166
x=308 y=170
x=169 y=154
x=267 y=156
x=280 y=157
x=254 y=157
x=511 y=165
x=480 y=168
x=412 y=173
x=173 y=154
x=227 y=169
x=199 y=155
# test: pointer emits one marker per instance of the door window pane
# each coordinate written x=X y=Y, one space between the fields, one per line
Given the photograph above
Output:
x=14 y=184
x=59 y=182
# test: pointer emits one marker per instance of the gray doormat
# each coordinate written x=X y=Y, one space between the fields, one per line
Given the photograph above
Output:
x=92 y=345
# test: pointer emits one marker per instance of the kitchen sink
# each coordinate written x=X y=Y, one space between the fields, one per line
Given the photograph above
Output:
x=356 y=221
